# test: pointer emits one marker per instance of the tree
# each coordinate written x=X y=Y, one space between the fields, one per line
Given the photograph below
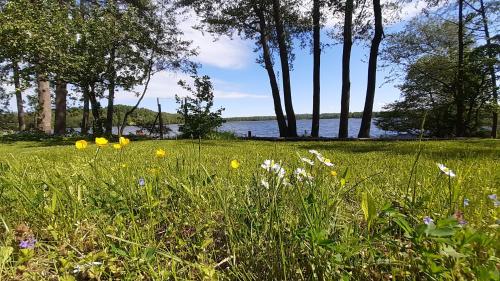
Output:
x=429 y=90
x=364 y=130
x=285 y=68
x=197 y=116
x=426 y=50
x=37 y=36
x=316 y=15
x=460 y=122
x=491 y=67
x=346 y=58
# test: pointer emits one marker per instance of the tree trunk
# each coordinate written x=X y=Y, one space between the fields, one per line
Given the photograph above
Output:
x=60 y=118
x=460 y=99
x=111 y=93
x=264 y=39
x=366 y=121
x=96 y=113
x=316 y=68
x=285 y=69
x=491 y=56
x=19 y=97
x=44 y=106
x=86 y=110
x=346 y=65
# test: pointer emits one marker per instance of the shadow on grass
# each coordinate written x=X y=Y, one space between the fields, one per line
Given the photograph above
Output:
x=437 y=150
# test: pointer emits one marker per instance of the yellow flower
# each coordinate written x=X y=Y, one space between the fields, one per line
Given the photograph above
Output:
x=124 y=141
x=333 y=173
x=124 y=165
x=101 y=142
x=235 y=164
x=117 y=146
x=160 y=153
x=81 y=144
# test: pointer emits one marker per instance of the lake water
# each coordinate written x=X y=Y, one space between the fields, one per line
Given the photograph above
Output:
x=269 y=128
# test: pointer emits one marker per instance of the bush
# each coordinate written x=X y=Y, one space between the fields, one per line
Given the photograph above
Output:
x=197 y=117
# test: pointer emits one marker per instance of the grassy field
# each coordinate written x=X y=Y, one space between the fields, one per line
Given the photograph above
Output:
x=384 y=211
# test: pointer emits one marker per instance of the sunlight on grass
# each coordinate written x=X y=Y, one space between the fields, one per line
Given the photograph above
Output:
x=249 y=210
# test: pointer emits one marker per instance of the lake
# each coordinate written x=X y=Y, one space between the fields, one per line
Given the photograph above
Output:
x=269 y=128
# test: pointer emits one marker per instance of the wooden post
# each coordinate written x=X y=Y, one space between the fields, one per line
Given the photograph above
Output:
x=160 y=118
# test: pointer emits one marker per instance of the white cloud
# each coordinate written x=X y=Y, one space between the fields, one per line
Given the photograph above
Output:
x=412 y=9
x=221 y=51
x=237 y=95
x=164 y=85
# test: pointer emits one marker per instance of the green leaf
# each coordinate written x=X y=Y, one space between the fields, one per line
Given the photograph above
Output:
x=368 y=207
x=449 y=251
x=441 y=232
x=5 y=253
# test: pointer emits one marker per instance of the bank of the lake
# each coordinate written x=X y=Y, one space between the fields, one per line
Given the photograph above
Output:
x=269 y=128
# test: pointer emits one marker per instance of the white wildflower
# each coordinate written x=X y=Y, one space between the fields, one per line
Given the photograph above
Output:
x=307 y=160
x=445 y=170
x=314 y=152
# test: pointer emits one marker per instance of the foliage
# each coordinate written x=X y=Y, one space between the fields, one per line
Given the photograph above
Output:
x=198 y=119
x=128 y=214
x=141 y=116
x=426 y=49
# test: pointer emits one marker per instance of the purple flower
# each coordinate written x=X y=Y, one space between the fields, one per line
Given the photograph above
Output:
x=462 y=222
x=492 y=196
x=428 y=220
x=142 y=182
x=27 y=244
x=466 y=202
x=496 y=203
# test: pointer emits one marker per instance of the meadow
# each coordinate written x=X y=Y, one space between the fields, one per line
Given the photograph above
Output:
x=217 y=210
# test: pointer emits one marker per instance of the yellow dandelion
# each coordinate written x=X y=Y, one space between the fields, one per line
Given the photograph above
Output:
x=124 y=141
x=81 y=144
x=101 y=142
x=124 y=165
x=160 y=153
x=235 y=164
x=333 y=173
x=117 y=146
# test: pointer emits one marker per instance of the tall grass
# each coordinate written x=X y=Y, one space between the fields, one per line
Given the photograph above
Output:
x=126 y=214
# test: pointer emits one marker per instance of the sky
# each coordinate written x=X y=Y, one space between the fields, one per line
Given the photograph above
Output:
x=242 y=86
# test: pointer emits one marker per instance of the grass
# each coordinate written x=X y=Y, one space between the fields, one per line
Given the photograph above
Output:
x=126 y=214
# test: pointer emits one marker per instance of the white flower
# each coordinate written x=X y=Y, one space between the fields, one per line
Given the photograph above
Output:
x=445 y=170
x=327 y=162
x=300 y=171
x=301 y=174
x=278 y=170
x=315 y=152
x=264 y=183
x=270 y=165
x=307 y=160
x=267 y=165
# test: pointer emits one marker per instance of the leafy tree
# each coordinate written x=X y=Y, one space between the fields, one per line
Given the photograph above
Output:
x=197 y=116
x=429 y=49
